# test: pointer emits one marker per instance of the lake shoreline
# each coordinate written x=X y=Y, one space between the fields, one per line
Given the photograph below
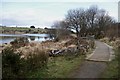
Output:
x=7 y=38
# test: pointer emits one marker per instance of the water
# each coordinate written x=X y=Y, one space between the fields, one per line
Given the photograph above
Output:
x=7 y=38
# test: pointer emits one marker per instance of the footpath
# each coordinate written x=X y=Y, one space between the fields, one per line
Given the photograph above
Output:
x=95 y=63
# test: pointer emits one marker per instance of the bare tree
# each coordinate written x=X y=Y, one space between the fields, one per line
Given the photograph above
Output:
x=91 y=21
x=76 y=20
x=61 y=29
x=91 y=14
x=98 y=21
x=104 y=21
x=82 y=21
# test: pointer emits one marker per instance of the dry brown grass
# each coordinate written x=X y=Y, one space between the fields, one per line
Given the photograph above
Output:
x=115 y=43
x=46 y=46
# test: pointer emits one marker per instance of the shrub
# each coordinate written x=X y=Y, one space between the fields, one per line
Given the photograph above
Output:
x=105 y=39
x=34 y=56
x=70 y=42
x=117 y=43
x=92 y=44
x=71 y=53
x=36 y=59
x=32 y=26
x=32 y=44
x=19 y=42
x=11 y=63
x=16 y=66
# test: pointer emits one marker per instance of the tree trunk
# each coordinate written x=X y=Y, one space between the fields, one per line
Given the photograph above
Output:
x=78 y=39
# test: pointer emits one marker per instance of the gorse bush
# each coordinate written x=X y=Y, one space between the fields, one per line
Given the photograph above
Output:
x=14 y=66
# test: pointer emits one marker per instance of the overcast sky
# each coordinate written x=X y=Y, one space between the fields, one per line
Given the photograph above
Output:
x=43 y=14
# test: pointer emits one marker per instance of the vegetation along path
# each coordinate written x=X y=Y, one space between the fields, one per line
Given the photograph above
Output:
x=95 y=63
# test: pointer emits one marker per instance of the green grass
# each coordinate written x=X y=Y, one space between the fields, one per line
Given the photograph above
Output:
x=58 y=67
x=113 y=67
x=112 y=70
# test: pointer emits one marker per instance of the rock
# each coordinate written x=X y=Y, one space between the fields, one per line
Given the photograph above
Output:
x=56 y=52
x=71 y=49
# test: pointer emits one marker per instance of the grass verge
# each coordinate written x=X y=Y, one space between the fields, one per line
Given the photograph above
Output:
x=112 y=71
x=58 y=67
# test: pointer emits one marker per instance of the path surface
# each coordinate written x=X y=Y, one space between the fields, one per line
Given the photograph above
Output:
x=101 y=53
x=95 y=63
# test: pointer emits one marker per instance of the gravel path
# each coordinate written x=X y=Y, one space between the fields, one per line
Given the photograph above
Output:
x=95 y=63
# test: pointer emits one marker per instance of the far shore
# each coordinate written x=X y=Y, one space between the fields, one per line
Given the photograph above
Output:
x=21 y=30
